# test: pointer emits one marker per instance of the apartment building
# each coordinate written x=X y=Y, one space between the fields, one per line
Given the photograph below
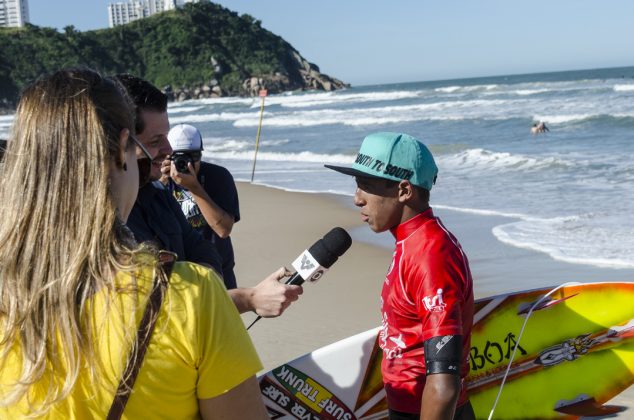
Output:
x=124 y=12
x=173 y=4
x=14 y=13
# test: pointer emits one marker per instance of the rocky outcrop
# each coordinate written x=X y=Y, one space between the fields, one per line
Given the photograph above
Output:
x=313 y=79
x=302 y=75
x=205 y=90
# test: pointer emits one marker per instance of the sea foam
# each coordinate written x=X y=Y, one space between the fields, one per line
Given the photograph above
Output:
x=566 y=240
x=307 y=157
x=624 y=88
x=318 y=99
x=437 y=111
x=486 y=160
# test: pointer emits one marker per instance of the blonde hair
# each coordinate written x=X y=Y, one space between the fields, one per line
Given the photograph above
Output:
x=60 y=237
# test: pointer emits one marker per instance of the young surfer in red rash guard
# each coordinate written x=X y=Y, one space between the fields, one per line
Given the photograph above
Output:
x=427 y=298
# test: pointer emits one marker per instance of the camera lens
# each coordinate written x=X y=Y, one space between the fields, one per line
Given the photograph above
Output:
x=181 y=161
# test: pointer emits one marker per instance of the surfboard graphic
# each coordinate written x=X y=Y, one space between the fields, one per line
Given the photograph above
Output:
x=576 y=353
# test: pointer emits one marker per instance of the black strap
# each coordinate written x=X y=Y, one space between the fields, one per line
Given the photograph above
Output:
x=143 y=335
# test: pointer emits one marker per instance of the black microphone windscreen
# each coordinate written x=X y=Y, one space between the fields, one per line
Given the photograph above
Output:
x=321 y=254
x=327 y=250
x=337 y=241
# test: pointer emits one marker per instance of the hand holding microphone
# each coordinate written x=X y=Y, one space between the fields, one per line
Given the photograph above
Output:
x=313 y=263
x=270 y=297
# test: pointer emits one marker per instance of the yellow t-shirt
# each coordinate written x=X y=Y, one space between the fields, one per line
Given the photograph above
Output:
x=199 y=349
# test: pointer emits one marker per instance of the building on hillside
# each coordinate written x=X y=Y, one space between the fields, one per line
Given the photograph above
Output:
x=124 y=12
x=173 y=4
x=14 y=13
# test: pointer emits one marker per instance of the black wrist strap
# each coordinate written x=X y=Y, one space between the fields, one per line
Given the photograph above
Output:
x=143 y=335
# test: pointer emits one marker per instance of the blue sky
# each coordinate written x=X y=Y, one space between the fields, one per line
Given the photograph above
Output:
x=372 y=41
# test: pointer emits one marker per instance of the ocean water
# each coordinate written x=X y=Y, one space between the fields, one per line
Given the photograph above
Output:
x=568 y=193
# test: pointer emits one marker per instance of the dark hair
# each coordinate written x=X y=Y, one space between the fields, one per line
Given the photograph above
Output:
x=423 y=193
x=145 y=95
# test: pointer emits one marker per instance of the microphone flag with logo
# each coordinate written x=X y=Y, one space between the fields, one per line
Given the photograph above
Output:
x=315 y=261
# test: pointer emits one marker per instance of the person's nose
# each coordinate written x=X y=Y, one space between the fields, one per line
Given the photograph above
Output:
x=358 y=198
x=166 y=148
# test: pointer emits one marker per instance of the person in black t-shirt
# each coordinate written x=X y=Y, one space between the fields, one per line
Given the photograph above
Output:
x=206 y=192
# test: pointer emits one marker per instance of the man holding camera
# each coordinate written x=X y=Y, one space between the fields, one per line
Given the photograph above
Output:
x=157 y=217
x=206 y=193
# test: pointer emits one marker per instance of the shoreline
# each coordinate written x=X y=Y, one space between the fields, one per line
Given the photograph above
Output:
x=492 y=261
x=290 y=222
x=277 y=225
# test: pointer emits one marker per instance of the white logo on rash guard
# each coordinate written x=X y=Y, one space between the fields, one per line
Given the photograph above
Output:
x=384 y=327
x=395 y=352
x=386 y=342
x=389 y=270
x=398 y=341
x=442 y=343
x=434 y=303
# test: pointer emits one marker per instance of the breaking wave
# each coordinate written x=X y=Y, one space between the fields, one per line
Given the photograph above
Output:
x=308 y=157
x=317 y=99
x=624 y=88
x=566 y=239
x=481 y=159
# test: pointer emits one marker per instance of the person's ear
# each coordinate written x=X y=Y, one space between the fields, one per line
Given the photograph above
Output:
x=405 y=191
x=124 y=135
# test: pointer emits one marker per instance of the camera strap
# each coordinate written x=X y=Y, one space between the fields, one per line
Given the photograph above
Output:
x=143 y=335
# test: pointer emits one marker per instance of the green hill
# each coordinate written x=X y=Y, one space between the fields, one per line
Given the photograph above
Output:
x=200 y=50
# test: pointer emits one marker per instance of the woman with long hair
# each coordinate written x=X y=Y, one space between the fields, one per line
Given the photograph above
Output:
x=74 y=285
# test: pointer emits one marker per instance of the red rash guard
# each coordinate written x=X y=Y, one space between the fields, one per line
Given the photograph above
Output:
x=428 y=292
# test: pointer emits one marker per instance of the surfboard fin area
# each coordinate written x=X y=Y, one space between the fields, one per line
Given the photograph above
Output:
x=587 y=406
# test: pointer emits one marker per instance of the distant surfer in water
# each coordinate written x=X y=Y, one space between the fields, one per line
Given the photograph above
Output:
x=427 y=298
x=539 y=127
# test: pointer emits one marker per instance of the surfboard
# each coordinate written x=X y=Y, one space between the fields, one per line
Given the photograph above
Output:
x=576 y=353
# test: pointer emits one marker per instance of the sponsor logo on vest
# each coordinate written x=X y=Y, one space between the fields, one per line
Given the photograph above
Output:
x=392 y=346
x=434 y=303
x=398 y=341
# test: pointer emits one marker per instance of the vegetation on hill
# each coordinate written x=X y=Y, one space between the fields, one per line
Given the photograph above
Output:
x=200 y=49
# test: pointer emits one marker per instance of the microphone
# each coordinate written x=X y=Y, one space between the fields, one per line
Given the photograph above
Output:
x=314 y=262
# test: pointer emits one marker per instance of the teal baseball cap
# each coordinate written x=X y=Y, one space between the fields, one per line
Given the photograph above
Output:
x=393 y=156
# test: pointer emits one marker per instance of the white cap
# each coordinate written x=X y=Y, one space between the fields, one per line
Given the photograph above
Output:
x=185 y=137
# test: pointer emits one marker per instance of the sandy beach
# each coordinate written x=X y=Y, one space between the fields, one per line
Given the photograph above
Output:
x=277 y=226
